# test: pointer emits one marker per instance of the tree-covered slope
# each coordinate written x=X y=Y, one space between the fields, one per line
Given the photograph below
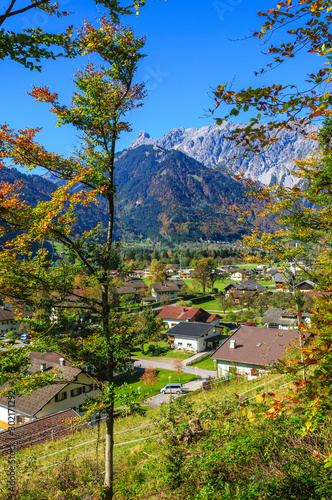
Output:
x=167 y=193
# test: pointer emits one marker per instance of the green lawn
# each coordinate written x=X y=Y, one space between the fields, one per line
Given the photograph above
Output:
x=166 y=352
x=220 y=284
x=206 y=364
x=163 y=378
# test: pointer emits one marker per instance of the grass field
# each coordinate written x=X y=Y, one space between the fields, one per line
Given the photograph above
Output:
x=166 y=352
x=206 y=364
x=163 y=378
x=132 y=433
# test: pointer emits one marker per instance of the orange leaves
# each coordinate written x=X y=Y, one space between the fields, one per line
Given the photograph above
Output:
x=43 y=94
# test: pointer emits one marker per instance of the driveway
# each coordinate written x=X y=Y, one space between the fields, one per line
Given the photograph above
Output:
x=157 y=400
x=199 y=372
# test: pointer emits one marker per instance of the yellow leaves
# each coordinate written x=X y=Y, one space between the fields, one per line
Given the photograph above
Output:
x=259 y=398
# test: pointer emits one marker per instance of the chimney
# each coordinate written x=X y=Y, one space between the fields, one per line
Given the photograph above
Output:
x=42 y=367
x=62 y=361
x=232 y=344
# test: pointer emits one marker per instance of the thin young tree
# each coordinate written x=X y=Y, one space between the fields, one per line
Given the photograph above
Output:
x=103 y=96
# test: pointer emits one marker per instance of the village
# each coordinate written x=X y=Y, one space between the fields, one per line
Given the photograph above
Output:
x=241 y=329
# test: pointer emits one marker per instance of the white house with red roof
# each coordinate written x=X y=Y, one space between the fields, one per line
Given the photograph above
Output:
x=172 y=315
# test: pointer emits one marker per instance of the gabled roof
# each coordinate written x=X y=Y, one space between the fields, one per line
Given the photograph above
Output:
x=247 y=285
x=31 y=405
x=282 y=317
x=9 y=313
x=38 y=431
x=278 y=277
x=123 y=290
x=273 y=270
x=192 y=329
x=179 y=313
x=259 y=346
x=165 y=287
x=308 y=282
x=212 y=317
x=272 y=315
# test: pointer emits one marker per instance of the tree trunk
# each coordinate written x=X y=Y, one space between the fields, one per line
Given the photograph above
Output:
x=109 y=466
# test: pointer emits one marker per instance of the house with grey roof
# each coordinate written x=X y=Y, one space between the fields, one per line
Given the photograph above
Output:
x=66 y=393
x=283 y=319
x=251 y=351
x=195 y=337
x=165 y=290
x=246 y=286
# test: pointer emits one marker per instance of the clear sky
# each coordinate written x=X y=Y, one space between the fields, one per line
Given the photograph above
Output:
x=192 y=46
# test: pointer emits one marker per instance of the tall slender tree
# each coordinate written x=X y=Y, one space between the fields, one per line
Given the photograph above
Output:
x=103 y=95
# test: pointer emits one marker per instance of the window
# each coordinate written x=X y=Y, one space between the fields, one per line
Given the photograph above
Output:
x=19 y=419
x=88 y=388
x=60 y=397
x=76 y=392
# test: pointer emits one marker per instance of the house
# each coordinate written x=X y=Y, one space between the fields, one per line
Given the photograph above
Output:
x=251 y=351
x=172 y=315
x=165 y=290
x=38 y=431
x=131 y=287
x=240 y=294
x=305 y=286
x=125 y=290
x=185 y=273
x=272 y=271
x=63 y=395
x=137 y=273
x=138 y=284
x=195 y=337
x=179 y=283
x=244 y=286
x=9 y=321
x=174 y=269
x=283 y=319
x=279 y=280
x=148 y=300
x=238 y=275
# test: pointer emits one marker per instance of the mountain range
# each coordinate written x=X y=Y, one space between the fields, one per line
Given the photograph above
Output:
x=166 y=193
x=179 y=187
x=210 y=146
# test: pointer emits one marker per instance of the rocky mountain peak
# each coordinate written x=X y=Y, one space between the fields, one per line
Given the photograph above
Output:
x=210 y=146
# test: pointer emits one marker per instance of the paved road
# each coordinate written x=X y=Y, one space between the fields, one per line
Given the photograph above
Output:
x=144 y=363
x=164 y=398
x=188 y=387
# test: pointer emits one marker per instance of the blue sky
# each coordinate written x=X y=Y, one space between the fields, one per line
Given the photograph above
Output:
x=192 y=46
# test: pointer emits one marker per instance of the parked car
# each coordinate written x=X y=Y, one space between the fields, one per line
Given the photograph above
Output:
x=26 y=338
x=172 y=389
